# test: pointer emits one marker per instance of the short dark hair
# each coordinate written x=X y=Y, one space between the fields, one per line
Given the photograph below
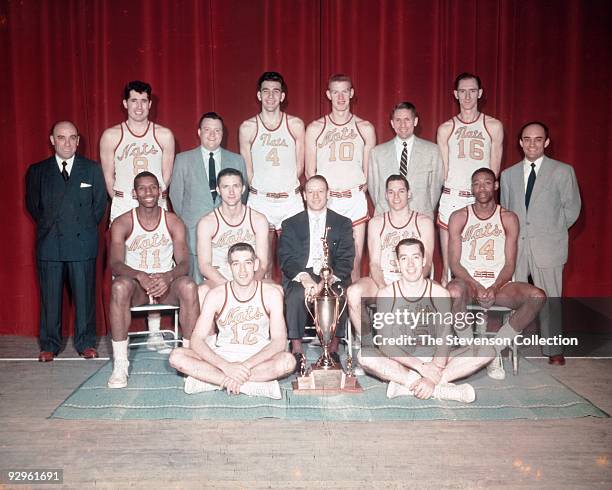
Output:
x=484 y=170
x=465 y=76
x=398 y=178
x=316 y=177
x=144 y=174
x=404 y=105
x=136 y=86
x=240 y=247
x=210 y=115
x=408 y=242
x=539 y=123
x=340 y=77
x=271 y=76
x=226 y=172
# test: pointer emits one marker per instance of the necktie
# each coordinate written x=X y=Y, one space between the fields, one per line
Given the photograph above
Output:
x=530 y=184
x=65 y=172
x=404 y=160
x=212 y=176
x=316 y=246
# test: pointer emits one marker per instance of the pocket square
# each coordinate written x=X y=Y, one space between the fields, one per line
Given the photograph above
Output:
x=85 y=184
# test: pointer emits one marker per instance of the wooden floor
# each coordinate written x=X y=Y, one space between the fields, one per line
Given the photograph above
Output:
x=575 y=453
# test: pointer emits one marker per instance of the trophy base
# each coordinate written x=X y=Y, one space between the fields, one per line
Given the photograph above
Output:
x=326 y=382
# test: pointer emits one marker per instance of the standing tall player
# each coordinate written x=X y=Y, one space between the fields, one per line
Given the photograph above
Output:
x=482 y=252
x=468 y=141
x=338 y=147
x=131 y=147
x=272 y=145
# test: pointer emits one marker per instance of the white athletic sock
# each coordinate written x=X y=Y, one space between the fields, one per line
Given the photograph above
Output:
x=154 y=322
x=120 y=349
x=269 y=389
x=507 y=333
x=186 y=343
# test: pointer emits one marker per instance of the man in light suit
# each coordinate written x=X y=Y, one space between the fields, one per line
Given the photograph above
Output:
x=423 y=166
x=544 y=195
x=300 y=252
x=66 y=196
x=194 y=181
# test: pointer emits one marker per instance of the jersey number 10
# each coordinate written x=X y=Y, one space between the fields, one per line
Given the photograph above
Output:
x=346 y=149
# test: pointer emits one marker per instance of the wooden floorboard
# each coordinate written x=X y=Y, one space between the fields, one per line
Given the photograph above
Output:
x=570 y=453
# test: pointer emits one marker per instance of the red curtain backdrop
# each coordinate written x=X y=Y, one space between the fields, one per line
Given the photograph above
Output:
x=538 y=59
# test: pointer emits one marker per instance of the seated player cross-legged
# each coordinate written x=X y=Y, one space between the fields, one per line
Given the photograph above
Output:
x=482 y=254
x=145 y=244
x=408 y=355
x=248 y=353
x=231 y=223
x=384 y=233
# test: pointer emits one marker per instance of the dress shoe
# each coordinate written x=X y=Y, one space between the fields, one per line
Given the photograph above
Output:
x=299 y=356
x=45 y=356
x=89 y=353
x=557 y=360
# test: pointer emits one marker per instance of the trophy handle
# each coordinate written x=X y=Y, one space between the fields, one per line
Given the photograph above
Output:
x=306 y=303
x=342 y=295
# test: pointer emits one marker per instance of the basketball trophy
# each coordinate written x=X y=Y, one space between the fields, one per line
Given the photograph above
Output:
x=326 y=376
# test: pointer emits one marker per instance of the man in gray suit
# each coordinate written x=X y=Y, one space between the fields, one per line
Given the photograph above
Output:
x=194 y=181
x=544 y=195
x=416 y=159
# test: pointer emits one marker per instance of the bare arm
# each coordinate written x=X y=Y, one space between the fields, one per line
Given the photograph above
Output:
x=108 y=142
x=246 y=135
x=312 y=133
x=497 y=140
x=296 y=125
x=273 y=299
x=166 y=141
x=261 y=227
x=369 y=135
x=205 y=326
x=511 y=227
x=179 y=244
x=437 y=179
x=207 y=226
x=444 y=132
x=372 y=177
x=374 y=228
x=426 y=227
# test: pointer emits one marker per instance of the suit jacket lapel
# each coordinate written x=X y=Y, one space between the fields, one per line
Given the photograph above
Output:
x=415 y=156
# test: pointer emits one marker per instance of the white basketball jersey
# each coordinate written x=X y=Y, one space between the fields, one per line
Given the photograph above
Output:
x=340 y=154
x=483 y=246
x=135 y=154
x=243 y=322
x=469 y=148
x=227 y=235
x=274 y=159
x=390 y=236
x=149 y=250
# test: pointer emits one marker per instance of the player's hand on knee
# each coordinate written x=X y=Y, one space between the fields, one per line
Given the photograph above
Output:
x=161 y=284
x=430 y=371
x=146 y=281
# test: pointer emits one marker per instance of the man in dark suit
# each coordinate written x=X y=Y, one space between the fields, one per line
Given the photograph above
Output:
x=65 y=195
x=301 y=252
x=544 y=195
x=194 y=181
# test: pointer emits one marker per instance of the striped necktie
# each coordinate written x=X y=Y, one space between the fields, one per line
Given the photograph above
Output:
x=404 y=160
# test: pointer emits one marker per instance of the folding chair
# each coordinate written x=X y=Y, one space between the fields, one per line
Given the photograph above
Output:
x=157 y=308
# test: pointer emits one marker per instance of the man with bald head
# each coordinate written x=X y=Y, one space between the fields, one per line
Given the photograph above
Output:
x=65 y=195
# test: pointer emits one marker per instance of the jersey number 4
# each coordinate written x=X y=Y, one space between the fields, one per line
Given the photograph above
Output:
x=475 y=147
x=487 y=250
x=272 y=156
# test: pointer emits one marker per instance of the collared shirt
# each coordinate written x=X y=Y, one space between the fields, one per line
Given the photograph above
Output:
x=527 y=169
x=69 y=163
x=399 y=148
x=316 y=224
x=206 y=157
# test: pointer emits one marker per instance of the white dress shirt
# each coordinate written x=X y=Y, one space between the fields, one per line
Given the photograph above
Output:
x=69 y=163
x=527 y=169
x=216 y=155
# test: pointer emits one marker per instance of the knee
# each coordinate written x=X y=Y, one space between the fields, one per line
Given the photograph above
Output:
x=364 y=361
x=187 y=289
x=122 y=289
x=286 y=363
x=538 y=296
x=456 y=289
x=176 y=359
x=353 y=294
